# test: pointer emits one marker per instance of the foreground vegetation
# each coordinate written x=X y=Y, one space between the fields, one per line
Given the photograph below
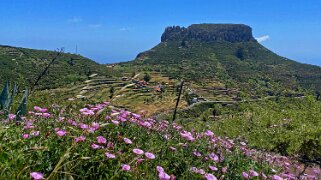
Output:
x=290 y=126
x=99 y=141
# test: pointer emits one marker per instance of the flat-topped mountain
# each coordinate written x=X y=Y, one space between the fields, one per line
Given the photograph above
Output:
x=228 y=53
x=209 y=33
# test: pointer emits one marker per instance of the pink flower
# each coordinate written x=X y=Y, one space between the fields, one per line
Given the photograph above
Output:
x=84 y=126
x=61 y=133
x=37 y=108
x=11 y=116
x=127 y=141
x=214 y=157
x=187 y=135
x=159 y=169
x=201 y=171
x=36 y=175
x=213 y=168
x=136 y=115
x=210 y=177
x=101 y=140
x=209 y=133
x=110 y=145
x=31 y=112
x=125 y=167
x=45 y=115
x=138 y=151
x=115 y=122
x=253 y=173
x=196 y=153
x=80 y=139
x=150 y=155
x=87 y=112
x=172 y=148
x=95 y=146
x=276 y=177
x=95 y=126
x=43 y=110
x=245 y=175
x=25 y=136
x=35 y=133
x=109 y=155
x=163 y=176
x=224 y=170
x=140 y=160
x=173 y=177
x=316 y=171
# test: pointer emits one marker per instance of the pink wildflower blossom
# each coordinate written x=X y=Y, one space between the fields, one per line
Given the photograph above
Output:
x=36 y=175
x=109 y=155
x=213 y=168
x=224 y=170
x=196 y=153
x=11 y=116
x=159 y=169
x=125 y=167
x=214 y=157
x=140 y=160
x=35 y=133
x=209 y=133
x=37 y=108
x=101 y=140
x=61 y=133
x=115 y=122
x=253 y=173
x=84 y=126
x=45 y=115
x=127 y=141
x=43 y=110
x=276 y=177
x=80 y=139
x=210 y=177
x=25 y=136
x=95 y=146
x=150 y=155
x=163 y=176
x=138 y=151
x=245 y=175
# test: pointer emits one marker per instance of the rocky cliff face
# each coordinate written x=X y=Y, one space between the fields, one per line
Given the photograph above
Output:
x=209 y=33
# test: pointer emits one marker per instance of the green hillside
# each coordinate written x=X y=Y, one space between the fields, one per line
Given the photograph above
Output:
x=24 y=65
x=228 y=53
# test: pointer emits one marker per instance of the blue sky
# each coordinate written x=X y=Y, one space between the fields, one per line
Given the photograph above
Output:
x=117 y=30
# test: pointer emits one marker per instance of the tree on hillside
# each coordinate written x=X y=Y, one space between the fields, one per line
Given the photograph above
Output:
x=147 y=77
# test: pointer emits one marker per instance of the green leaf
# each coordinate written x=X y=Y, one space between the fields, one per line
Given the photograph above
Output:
x=22 y=109
x=10 y=99
x=4 y=95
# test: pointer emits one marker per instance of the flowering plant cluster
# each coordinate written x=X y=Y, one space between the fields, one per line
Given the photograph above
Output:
x=100 y=141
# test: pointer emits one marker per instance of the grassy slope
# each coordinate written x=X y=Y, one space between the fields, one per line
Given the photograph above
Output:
x=24 y=65
x=238 y=64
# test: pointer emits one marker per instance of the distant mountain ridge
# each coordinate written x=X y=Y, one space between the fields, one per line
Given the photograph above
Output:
x=23 y=65
x=229 y=53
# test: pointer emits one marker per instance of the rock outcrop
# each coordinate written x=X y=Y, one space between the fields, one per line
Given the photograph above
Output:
x=209 y=33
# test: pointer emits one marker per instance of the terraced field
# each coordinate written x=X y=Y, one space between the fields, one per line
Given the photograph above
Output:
x=136 y=95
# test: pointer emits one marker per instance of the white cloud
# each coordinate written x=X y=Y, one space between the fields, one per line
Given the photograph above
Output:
x=95 y=25
x=123 y=29
x=262 y=38
x=74 y=20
